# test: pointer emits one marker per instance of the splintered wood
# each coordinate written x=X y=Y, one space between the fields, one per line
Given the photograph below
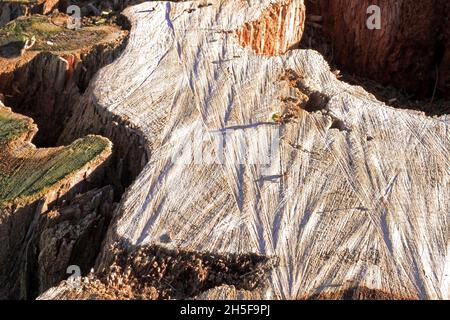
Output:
x=277 y=29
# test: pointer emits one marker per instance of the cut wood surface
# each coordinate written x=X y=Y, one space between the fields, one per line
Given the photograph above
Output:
x=354 y=194
x=28 y=173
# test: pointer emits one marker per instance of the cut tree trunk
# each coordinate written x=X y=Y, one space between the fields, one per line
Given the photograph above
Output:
x=32 y=181
x=54 y=200
x=352 y=202
x=410 y=51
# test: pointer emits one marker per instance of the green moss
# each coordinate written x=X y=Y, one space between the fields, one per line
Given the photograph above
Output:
x=11 y=128
x=36 y=175
x=49 y=37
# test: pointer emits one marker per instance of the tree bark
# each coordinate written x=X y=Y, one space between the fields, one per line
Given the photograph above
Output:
x=410 y=51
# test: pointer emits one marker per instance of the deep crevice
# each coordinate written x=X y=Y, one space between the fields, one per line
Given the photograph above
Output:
x=29 y=89
x=304 y=98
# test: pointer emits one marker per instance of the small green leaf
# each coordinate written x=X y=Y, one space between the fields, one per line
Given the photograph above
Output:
x=276 y=117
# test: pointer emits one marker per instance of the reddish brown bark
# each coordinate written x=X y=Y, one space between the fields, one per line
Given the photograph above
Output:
x=408 y=49
x=273 y=32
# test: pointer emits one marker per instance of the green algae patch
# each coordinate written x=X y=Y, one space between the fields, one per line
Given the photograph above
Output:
x=27 y=173
x=23 y=179
x=50 y=36
x=12 y=128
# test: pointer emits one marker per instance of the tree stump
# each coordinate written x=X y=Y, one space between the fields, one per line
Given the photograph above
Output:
x=244 y=168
